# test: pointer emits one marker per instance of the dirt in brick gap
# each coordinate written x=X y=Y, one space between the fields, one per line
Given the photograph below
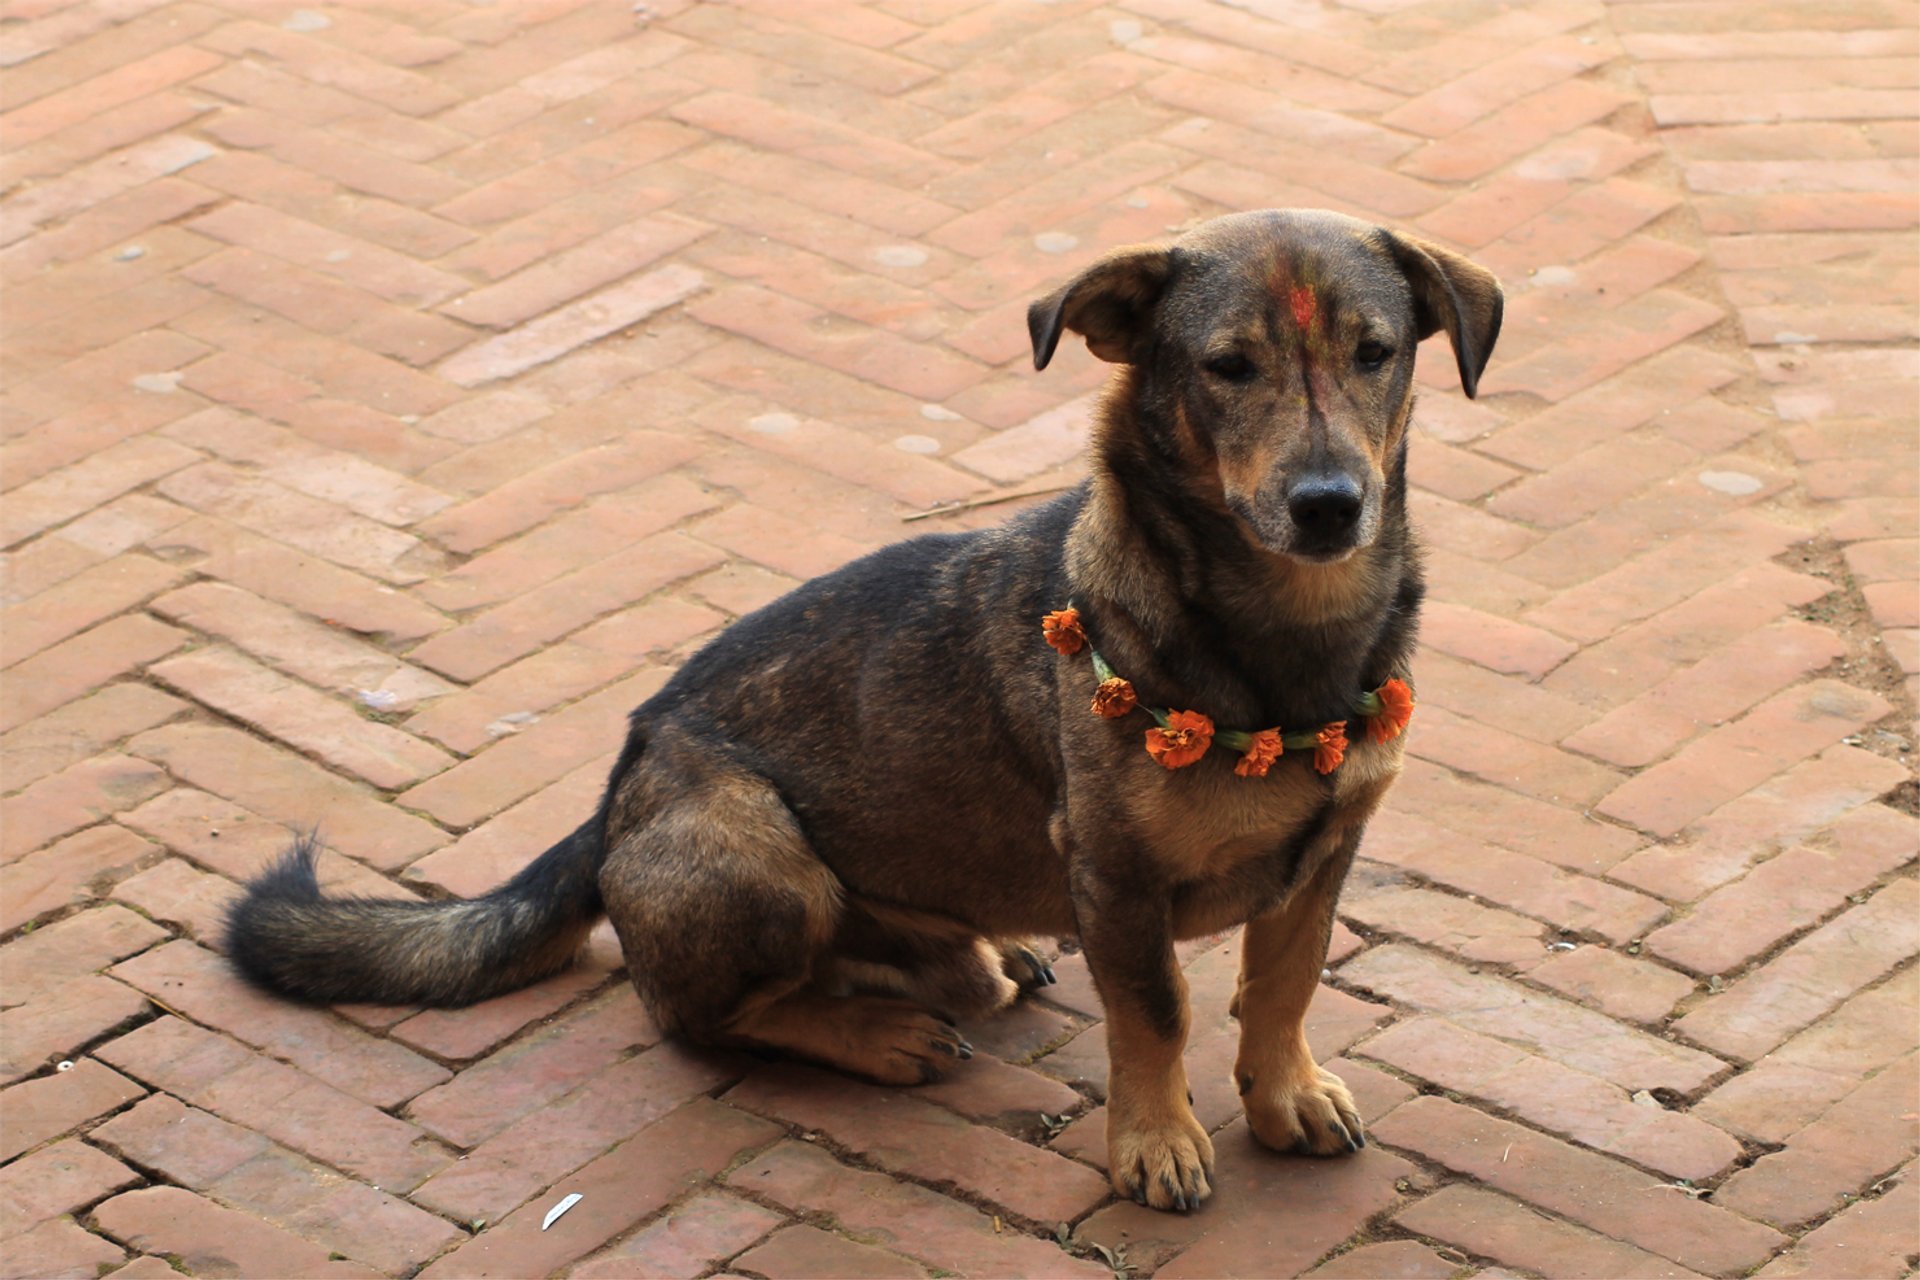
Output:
x=1866 y=665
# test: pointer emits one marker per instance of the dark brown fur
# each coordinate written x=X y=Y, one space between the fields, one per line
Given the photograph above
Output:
x=827 y=831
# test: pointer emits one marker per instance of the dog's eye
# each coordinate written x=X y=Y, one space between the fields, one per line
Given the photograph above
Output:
x=1231 y=368
x=1372 y=354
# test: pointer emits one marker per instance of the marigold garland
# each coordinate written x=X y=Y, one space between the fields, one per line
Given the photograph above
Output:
x=1114 y=698
x=1183 y=737
x=1331 y=747
x=1064 y=632
x=1182 y=740
x=1268 y=744
x=1396 y=701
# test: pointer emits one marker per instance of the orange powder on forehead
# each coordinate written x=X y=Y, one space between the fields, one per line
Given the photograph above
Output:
x=1305 y=305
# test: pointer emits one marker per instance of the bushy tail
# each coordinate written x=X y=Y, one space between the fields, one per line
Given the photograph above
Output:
x=287 y=936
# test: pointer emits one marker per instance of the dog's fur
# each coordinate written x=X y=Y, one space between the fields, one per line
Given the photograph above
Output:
x=828 y=832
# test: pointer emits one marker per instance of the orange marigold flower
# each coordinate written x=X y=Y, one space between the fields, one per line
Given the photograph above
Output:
x=1114 y=698
x=1396 y=701
x=1266 y=748
x=1185 y=739
x=1064 y=632
x=1332 y=748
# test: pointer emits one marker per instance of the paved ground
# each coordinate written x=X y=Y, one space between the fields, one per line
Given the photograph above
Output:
x=398 y=390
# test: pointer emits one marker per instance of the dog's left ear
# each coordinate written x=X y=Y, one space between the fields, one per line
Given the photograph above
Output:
x=1110 y=304
x=1453 y=294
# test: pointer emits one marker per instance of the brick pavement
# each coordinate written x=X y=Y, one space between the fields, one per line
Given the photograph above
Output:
x=396 y=392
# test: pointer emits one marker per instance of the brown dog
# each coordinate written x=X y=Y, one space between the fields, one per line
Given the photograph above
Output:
x=828 y=831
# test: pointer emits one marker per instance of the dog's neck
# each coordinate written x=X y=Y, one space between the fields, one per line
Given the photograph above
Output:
x=1191 y=598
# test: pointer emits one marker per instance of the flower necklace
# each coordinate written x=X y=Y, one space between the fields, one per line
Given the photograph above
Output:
x=1184 y=736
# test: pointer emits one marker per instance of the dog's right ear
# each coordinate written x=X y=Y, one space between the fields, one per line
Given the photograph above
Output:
x=1109 y=304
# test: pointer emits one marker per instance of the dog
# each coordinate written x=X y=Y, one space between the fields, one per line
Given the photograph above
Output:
x=840 y=824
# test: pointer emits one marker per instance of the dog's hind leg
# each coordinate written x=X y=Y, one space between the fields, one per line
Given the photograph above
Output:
x=727 y=919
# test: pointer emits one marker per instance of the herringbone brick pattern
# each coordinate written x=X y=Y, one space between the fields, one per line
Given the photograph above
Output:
x=395 y=392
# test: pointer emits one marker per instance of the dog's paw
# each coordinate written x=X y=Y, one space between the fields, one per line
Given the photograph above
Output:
x=1026 y=965
x=895 y=1042
x=1167 y=1166
x=1307 y=1114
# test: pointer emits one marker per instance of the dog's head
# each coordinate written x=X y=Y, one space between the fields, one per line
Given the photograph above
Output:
x=1278 y=346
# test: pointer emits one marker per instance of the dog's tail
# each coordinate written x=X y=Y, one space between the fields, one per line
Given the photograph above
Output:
x=287 y=936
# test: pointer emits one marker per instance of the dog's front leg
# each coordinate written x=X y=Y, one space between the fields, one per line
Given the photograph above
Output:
x=1292 y=1104
x=1157 y=1151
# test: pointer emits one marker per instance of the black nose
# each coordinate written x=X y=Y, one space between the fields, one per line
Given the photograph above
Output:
x=1324 y=506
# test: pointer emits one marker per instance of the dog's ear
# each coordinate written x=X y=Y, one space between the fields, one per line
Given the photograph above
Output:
x=1110 y=304
x=1453 y=294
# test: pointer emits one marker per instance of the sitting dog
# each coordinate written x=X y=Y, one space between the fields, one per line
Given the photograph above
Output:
x=1160 y=706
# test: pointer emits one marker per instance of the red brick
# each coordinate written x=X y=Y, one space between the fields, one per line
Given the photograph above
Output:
x=81 y=729
x=497 y=849
x=536 y=1069
x=197 y=984
x=274 y=784
x=808 y=1253
x=1484 y=750
x=318 y=527
x=558 y=332
x=621 y=1188
x=579 y=537
x=534 y=1151
x=83 y=600
x=1492 y=1226
x=1498 y=643
x=689 y=1240
x=1557 y=1098
x=60 y=1022
x=520 y=764
x=523 y=502
x=1722 y=764
x=1764 y=821
x=67 y=872
x=207 y=1237
x=76 y=797
x=1837 y=1155
x=1781 y=896
x=56 y=1180
x=469 y=1032
x=60 y=1247
x=242 y=1087
x=288 y=458
x=301 y=645
x=1576 y=903
x=1809 y=978
x=1639 y=657
x=1869 y=1236
x=1590 y=1189
x=1552 y=1028
x=37 y=963
x=1618 y=985
x=47 y=1107
x=901 y=1133
x=1475 y=933
x=1549 y=832
x=1724 y=684
x=243 y=1170
x=1394 y=1260
x=902 y=1216
x=1526 y=708
x=295 y=714
x=388 y=275
x=186 y=899
x=73 y=667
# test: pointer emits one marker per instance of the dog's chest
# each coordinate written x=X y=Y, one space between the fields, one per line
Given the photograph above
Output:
x=1202 y=825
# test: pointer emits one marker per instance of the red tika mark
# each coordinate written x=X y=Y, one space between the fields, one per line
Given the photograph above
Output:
x=1305 y=305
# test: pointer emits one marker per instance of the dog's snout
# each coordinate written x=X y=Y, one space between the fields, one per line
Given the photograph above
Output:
x=1325 y=505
